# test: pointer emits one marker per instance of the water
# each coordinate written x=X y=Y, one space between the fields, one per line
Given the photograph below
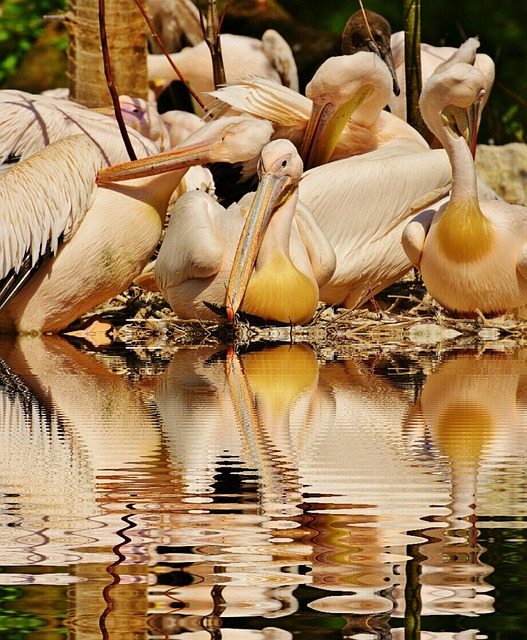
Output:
x=269 y=495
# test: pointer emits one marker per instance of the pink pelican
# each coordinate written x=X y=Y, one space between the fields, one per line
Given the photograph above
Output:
x=282 y=257
x=472 y=253
x=72 y=239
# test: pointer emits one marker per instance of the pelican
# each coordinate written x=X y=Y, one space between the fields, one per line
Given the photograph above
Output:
x=341 y=114
x=143 y=116
x=472 y=253
x=198 y=261
x=176 y=22
x=362 y=205
x=432 y=58
x=71 y=239
x=271 y=57
x=31 y=121
x=373 y=35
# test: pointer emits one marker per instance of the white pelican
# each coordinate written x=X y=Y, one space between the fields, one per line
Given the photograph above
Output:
x=30 y=121
x=294 y=258
x=371 y=36
x=177 y=22
x=271 y=57
x=143 y=116
x=472 y=253
x=433 y=57
x=340 y=116
x=69 y=242
x=362 y=205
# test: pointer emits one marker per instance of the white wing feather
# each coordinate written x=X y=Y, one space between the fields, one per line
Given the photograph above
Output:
x=45 y=198
x=29 y=122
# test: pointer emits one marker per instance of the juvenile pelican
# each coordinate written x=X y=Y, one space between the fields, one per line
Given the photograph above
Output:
x=30 y=121
x=198 y=261
x=71 y=240
x=371 y=36
x=472 y=253
x=340 y=116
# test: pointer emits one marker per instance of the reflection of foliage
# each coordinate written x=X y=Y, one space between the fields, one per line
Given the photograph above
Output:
x=15 y=624
x=21 y=23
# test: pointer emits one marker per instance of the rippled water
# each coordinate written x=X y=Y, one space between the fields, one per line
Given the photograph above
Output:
x=274 y=494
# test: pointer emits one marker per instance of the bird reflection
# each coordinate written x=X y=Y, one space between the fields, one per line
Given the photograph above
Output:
x=78 y=448
x=472 y=411
x=239 y=408
x=287 y=479
x=333 y=469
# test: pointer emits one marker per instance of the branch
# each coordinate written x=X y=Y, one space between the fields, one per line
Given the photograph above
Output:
x=110 y=82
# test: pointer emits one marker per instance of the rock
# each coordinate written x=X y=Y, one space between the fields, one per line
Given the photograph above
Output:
x=504 y=168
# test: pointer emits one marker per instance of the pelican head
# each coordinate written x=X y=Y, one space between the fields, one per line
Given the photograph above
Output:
x=451 y=102
x=230 y=139
x=279 y=170
x=369 y=31
x=338 y=89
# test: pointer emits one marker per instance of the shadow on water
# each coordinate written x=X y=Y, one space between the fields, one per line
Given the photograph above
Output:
x=267 y=494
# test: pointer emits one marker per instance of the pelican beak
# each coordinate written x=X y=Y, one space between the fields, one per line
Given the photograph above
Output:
x=272 y=191
x=464 y=122
x=384 y=51
x=181 y=157
x=326 y=123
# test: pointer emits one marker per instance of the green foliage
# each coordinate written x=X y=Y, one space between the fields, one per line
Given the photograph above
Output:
x=21 y=24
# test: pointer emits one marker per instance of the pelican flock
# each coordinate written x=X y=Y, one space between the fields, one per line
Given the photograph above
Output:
x=349 y=196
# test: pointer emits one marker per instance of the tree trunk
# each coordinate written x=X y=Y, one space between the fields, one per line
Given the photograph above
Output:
x=412 y=63
x=127 y=43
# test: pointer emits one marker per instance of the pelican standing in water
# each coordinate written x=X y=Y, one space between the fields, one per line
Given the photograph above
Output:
x=472 y=253
x=71 y=239
x=257 y=256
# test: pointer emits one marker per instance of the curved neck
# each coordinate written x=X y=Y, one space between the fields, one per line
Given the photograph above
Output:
x=464 y=181
x=278 y=232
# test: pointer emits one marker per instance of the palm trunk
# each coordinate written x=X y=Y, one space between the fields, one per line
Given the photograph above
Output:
x=127 y=45
x=412 y=62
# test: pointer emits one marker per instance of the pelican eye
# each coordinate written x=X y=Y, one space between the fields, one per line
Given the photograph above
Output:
x=284 y=164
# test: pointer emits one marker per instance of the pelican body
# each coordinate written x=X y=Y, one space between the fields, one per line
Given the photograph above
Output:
x=258 y=256
x=270 y=57
x=472 y=253
x=71 y=238
x=362 y=205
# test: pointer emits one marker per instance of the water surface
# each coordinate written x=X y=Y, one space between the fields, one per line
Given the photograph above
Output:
x=271 y=494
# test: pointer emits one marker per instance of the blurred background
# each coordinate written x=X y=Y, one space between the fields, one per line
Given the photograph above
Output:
x=33 y=53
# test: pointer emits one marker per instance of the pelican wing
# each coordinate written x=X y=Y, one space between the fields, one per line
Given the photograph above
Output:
x=263 y=98
x=362 y=204
x=373 y=193
x=42 y=202
x=29 y=122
